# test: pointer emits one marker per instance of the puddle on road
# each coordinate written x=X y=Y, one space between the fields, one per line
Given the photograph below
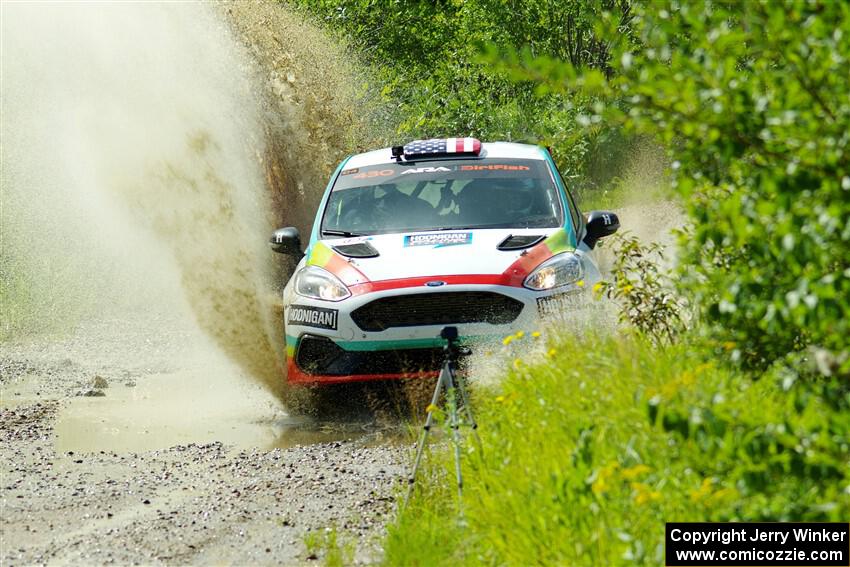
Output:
x=184 y=391
x=164 y=410
x=99 y=424
x=161 y=411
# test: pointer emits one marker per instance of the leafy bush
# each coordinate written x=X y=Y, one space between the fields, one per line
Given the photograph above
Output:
x=751 y=99
x=642 y=290
x=588 y=451
x=426 y=53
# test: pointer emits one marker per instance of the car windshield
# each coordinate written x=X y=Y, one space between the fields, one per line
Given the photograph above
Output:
x=442 y=195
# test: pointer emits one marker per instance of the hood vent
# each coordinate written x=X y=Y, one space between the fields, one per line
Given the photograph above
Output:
x=519 y=241
x=357 y=250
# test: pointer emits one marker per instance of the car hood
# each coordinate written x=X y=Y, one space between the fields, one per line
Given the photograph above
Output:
x=425 y=254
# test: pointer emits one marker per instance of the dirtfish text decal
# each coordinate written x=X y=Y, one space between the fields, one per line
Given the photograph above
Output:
x=438 y=239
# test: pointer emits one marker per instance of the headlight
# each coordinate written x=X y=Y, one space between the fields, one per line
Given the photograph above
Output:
x=320 y=284
x=555 y=272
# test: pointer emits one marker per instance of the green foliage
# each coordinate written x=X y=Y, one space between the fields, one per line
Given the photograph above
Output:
x=587 y=452
x=642 y=290
x=752 y=100
x=427 y=56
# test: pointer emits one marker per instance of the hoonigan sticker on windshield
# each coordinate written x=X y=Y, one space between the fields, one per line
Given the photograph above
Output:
x=438 y=239
x=318 y=317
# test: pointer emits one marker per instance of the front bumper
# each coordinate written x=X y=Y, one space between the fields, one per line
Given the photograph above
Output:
x=342 y=342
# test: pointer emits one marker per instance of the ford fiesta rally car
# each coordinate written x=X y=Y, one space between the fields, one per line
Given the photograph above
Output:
x=484 y=237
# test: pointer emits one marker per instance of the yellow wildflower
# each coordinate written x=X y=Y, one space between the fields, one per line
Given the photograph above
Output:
x=644 y=493
x=702 y=368
x=520 y=334
x=551 y=352
x=632 y=473
x=508 y=340
x=580 y=283
x=669 y=389
x=603 y=476
x=703 y=491
x=721 y=495
x=535 y=334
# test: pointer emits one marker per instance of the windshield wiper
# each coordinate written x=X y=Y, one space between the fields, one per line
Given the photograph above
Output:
x=344 y=233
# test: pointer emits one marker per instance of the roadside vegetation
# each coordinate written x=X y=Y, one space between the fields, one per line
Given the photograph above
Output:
x=725 y=393
x=433 y=82
x=586 y=453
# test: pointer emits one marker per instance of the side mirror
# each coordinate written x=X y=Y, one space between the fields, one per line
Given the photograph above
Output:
x=286 y=241
x=599 y=225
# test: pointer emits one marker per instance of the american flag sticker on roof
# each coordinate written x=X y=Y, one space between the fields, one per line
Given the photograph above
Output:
x=442 y=146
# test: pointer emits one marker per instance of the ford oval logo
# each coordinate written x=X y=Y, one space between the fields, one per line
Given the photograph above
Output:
x=435 y=283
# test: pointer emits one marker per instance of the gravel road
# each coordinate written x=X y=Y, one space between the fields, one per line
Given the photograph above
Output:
x=160 y=452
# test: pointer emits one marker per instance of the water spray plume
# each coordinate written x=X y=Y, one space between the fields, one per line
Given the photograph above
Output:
x=144 y=164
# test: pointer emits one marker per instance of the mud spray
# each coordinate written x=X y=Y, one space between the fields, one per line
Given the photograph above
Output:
x=148 y=150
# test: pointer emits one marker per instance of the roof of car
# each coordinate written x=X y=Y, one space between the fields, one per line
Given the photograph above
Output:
x=489 y=150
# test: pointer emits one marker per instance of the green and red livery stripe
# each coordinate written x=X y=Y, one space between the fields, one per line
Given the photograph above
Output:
x=560 y=241
x=514 y=276
x=323 y=257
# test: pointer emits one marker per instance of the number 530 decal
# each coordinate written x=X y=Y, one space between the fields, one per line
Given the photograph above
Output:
x=374 y=173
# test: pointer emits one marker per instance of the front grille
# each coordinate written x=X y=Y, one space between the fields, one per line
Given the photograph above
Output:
x=320 y=355
x=446 y=308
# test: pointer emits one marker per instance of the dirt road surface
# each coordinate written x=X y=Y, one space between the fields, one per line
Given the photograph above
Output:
x=119 y=446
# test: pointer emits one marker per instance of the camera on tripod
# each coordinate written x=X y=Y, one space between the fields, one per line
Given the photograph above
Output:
x=455 y=391
x=451 y=348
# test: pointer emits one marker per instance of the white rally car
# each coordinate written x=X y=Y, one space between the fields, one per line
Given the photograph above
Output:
x=484 y=237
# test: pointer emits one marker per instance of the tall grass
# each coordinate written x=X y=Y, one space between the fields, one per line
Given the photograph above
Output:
x=588 y=451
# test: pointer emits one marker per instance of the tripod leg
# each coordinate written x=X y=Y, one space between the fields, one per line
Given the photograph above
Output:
x=461 y=385
x=424 y=435
x=455 y=424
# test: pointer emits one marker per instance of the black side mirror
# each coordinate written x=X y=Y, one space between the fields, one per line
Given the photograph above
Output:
x=599 y=225
x=287 y=241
